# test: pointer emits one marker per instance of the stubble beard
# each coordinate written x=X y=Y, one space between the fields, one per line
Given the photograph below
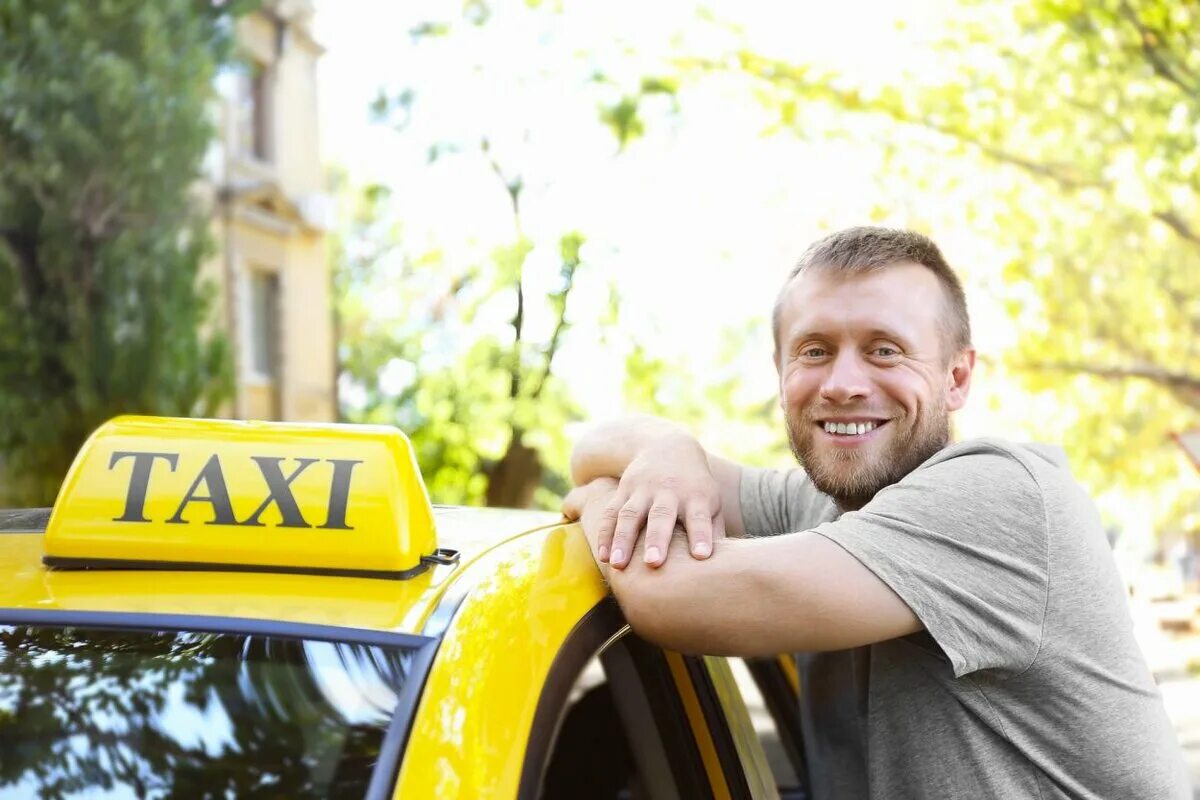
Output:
x=852 y=477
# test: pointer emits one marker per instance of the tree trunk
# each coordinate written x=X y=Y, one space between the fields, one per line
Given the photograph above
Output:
x=513 y=479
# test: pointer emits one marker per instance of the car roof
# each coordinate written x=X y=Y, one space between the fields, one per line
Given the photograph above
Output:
x=385 y=604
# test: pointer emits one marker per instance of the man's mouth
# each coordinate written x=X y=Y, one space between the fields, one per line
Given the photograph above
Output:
x=851 y=428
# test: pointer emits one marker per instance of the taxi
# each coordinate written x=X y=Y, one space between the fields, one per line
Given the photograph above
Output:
x=241 y=609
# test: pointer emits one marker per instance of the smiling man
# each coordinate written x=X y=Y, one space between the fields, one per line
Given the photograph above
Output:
x=960 y=626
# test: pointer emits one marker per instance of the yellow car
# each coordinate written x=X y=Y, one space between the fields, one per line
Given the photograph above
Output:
x=233 y=609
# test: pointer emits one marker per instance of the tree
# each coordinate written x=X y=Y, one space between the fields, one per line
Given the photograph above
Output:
x=103 y=127
x=464 y=357
x=485 y=411
x=1085 y=118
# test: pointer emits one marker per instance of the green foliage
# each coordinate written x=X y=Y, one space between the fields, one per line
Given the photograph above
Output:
x=709 y=400
x=624 y=117
x=428 y=362
x=103 y=110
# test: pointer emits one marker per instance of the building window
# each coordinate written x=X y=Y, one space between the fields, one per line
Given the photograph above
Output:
x=253 y=109
x=264 y=324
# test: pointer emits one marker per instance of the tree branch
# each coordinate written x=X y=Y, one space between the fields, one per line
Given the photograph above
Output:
x=1154 y=51
x=23 y=249
x=1059 y=174
x=513 y=187
x=1185 y=386
x=1172 y=220
x=559 y=326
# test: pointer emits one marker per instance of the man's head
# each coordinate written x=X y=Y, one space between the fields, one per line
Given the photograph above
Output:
x=871 y=334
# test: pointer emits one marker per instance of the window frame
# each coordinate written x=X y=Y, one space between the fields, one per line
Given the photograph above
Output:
x=780 y=690
x=268 y=315
x=646 y=698
x=252 y=105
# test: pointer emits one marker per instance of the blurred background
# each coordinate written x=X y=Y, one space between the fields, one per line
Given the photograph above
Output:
x=489 y=222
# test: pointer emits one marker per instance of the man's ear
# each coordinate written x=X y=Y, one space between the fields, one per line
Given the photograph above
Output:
x=958 y=379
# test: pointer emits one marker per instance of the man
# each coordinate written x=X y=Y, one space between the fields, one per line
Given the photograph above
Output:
x=961 y=626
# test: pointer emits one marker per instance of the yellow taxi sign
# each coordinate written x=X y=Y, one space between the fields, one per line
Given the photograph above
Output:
x=163 y=493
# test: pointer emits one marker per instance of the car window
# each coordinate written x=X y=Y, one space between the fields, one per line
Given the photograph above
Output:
x=773 y=728
x=591 y=757
x=748 y=757
x=778 y=688
x=145 y=713
x=623 y=733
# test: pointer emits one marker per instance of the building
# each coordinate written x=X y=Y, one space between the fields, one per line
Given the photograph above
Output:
x=266 y=184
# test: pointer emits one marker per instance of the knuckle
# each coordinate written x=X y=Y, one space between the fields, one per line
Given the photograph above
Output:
x=660 y=511
x=628 y=513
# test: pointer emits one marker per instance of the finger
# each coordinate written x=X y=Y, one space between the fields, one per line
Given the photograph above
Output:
x=608 y=524
x=630 y=520
x=660 y=523
x=719 y=526
x=572 y=504
x=698 y=522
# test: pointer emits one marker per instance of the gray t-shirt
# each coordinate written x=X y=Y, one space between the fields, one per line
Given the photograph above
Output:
x=1027 y=680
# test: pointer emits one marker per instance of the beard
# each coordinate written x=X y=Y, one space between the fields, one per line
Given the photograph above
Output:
x=852 y=477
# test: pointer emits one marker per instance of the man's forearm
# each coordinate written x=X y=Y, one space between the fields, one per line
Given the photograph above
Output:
x=606 y=450
x=758 y=597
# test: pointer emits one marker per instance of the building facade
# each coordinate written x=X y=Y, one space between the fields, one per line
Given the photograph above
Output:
x=272 y=214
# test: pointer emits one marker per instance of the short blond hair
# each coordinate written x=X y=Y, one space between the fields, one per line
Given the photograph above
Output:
x=868 y=249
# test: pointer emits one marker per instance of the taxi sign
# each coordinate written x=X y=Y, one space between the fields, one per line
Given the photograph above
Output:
x=166 y=493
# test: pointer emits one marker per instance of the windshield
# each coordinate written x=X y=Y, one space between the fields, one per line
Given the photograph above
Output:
x=171 y=714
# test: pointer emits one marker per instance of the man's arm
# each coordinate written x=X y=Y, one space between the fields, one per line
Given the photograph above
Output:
x=665 y=475
x=789 y=593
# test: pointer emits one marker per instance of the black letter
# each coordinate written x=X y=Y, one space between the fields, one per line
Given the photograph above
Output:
x=279 y=493
x=218 y=495
x=139 y=479
x=339 y=491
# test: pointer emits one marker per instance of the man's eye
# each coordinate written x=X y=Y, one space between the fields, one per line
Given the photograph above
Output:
x=886 y=352
x=813 y=352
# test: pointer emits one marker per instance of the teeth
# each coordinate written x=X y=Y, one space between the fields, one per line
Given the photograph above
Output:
x=849 y=428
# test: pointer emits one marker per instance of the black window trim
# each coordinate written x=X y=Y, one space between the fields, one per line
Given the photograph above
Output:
x=718 y=726
x=784 y=707
x=603 y=631
x=591 y=632
x=383 y=777
x=667 y=707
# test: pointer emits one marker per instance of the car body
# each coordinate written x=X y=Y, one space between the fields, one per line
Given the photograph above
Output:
x=145 y=654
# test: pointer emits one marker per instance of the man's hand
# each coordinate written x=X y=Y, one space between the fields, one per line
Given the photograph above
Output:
x=587 y=504
x=668 y=480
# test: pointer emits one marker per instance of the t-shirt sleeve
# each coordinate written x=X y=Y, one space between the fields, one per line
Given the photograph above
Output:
x=778 y=501
x=963 y=542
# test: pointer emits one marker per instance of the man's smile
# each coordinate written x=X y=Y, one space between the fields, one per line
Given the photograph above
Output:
x=849 y=431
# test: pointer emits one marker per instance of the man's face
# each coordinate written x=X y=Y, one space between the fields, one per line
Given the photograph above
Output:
x=864 y=353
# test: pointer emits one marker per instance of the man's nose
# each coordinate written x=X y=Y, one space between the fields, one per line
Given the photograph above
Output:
x=846 y=380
